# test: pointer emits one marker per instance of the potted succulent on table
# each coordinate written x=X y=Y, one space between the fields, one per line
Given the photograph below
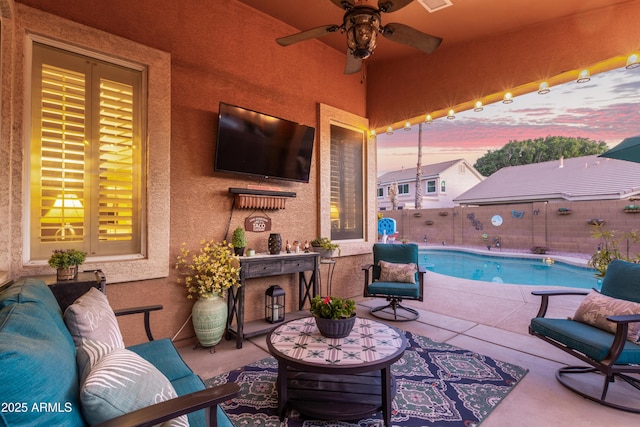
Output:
x=66 y=262
x=334 y=316
x=325 y=247
x=239 y=241
x=207 y=274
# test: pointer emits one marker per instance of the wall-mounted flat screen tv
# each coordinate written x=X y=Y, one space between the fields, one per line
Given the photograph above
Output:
x=257 y=144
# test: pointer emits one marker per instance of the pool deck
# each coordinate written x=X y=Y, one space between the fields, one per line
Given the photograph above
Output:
x=488 y=318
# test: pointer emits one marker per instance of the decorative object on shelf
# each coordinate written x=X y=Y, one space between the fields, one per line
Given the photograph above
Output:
x=429 y=222
x=334 y=316
x=251 y=252
x=325 y=247
x=207 y=274
x=209 y=318
x=257 y=223
x=239 y=241
x=443 y=213
x=595 y=221
x=564 y=211
x=66 y=262
x=287 y=247
x=306 y=247
x=275 y=243
x=274 y=306
x=296 y=246
x=632 y=209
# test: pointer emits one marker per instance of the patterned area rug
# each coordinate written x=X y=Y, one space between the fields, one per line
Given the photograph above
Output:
x=437 y=385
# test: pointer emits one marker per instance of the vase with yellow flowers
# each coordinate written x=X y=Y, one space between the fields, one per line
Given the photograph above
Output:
x=207 y=274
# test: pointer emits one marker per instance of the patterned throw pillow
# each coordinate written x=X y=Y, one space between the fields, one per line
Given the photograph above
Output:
x=91 y=317
x=596 y=307
x=117 y=381
x=392 y=272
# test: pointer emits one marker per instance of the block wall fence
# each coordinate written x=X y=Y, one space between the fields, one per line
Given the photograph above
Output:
x=524 y=226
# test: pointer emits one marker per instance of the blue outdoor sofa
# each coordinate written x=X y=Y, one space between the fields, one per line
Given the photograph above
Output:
x=40 y=381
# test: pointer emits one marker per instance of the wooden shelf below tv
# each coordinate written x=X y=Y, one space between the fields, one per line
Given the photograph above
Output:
x=250 y=198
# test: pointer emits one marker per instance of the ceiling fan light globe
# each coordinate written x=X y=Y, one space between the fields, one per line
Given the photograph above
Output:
x=362 y=33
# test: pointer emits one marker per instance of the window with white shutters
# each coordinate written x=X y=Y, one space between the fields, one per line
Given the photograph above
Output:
x=86 y=155
x=347 y=185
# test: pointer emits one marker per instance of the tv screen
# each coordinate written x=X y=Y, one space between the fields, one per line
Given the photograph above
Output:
x=257 y=144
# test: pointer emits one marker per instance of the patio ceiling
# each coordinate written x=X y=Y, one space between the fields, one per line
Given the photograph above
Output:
x=463 y=22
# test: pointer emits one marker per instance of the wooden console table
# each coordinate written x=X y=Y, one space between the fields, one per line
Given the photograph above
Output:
x=265 y=265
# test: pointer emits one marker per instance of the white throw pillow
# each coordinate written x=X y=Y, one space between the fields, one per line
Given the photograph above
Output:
x=91 y=317
x=116 y=381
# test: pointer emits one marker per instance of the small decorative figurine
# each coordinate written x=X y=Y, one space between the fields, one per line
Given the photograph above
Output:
x=288 y=247
x=306 y=246
x=296 y=246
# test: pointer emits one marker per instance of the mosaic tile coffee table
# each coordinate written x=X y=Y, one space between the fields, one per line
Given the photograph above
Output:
x=336 y=378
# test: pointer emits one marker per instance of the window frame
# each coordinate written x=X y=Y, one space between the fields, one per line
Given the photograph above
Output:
x=332 y=116
x=435 y=186
x=35 y=25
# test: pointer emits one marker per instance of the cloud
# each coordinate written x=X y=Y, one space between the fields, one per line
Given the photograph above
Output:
x=605 y=109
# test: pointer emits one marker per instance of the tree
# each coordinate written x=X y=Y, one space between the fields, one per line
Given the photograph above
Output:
x=419 y=171
x=516 y=153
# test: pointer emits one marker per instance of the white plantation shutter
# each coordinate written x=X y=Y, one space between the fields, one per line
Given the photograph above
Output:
x=116 y=190
x=347 y=169
x=86 y=155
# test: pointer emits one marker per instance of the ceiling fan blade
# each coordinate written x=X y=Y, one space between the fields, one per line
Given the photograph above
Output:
x=389 y=6
x=344 y=4
x=404 y=34
x=353 y=64
x=308 y=34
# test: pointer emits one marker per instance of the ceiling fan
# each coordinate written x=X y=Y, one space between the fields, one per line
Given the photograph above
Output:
x=362 y=23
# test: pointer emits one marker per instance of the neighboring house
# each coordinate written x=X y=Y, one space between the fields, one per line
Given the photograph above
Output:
x=441 y=183
x=578 y=178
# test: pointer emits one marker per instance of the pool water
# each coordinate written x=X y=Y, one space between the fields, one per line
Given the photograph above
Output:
x=514 y=270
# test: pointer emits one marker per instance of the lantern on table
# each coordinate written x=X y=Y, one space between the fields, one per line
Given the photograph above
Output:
x=274 y=304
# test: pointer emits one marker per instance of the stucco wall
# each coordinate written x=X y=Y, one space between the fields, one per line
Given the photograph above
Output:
x=524 y=226
x=220 y=51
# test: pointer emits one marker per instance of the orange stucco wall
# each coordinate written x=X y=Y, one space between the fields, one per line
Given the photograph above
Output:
x=223 y=51
x=456 y=74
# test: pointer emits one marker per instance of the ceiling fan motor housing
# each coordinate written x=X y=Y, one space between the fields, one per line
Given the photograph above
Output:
x=362 y=25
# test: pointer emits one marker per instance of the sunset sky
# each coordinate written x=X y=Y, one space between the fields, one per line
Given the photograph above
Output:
x=607 y=108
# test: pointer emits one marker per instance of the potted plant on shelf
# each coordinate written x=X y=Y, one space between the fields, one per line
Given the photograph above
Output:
x=239 y=241
x=207 y=274
x=66 y=262
x=334 y=316
x=325 y=247
x=564 y=211
x=632 y=209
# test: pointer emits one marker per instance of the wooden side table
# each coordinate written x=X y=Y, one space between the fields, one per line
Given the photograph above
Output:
x=336 y=378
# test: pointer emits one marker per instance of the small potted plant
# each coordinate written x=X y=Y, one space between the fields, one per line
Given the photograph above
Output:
x=239 y=241
x=66 y=262
x=564 y=211
x=334 y=316
x=632 y=209
x=325 y=247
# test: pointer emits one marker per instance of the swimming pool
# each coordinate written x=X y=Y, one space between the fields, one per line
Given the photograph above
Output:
x=502 y=269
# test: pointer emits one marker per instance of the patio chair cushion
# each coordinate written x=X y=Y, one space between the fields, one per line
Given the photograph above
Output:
x=395 y=272
x=622 y=281
x=91 y=317
x=589 y=340
x=398 y=289
x=117 y=381
x=595 y=308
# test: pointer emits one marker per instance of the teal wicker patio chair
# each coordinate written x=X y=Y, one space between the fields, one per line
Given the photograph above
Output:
x=603 y=334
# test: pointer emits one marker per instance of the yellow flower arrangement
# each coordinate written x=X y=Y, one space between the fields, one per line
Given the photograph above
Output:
x=212 y=270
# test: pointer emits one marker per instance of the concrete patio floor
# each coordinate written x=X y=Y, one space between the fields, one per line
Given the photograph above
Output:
x=487 y=318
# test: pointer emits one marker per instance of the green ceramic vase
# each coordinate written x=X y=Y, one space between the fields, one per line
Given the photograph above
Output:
x=209 y=317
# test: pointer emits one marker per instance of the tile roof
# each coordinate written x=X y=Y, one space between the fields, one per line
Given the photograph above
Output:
x=578 y=178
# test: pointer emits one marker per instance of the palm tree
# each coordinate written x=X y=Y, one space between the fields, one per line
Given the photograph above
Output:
x=419 y=170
